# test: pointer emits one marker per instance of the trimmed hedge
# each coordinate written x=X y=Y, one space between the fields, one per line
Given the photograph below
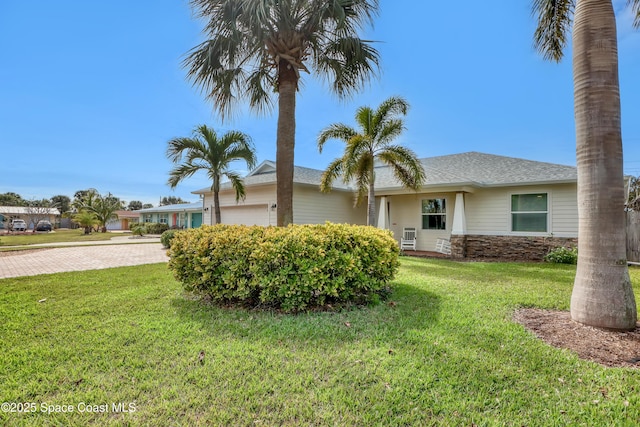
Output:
x=293 y=268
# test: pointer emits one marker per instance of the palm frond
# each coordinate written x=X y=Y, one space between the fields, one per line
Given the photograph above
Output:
x=389 y=131
x=635 y=9
x=237 y=183
x=181 y=172
x=337 y=131
x=347 y=63
x=405 y=166
x=554 y=18
x=363 y=175
x=333 y=171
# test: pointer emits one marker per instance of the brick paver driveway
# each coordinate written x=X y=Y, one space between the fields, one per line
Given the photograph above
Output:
x=77 y=258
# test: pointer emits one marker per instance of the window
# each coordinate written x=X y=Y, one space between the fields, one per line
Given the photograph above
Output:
x=163 y=218
x=529 y=212
x=434 y=214
x=147 y=218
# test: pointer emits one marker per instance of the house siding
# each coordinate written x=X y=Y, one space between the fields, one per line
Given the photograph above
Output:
x=310 y=206
x=489 y=210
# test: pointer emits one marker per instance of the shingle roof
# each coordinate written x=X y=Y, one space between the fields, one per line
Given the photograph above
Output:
x=483 y=170
x=265 y=173
x=471 y=169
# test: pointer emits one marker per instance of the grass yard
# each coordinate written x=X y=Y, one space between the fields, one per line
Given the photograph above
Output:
x=53 y=237
x=445 y=354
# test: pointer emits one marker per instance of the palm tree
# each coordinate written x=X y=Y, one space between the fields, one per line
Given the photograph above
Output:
x=602 y=294
x=373 y=143
x=85 y=219
x=258 y=47
x=102 y=207
x=206 y=152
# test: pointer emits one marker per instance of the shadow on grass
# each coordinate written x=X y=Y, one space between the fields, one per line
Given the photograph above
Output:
x=407 y=308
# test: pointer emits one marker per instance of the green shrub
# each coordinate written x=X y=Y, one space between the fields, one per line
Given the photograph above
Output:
x=293 y=268
x=138 y=229
x=156 y=228
x=151 y=227
x=562 y=255
x=167 y=237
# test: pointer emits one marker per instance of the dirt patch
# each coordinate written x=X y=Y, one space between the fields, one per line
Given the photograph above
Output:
x=20 y=252
x=608 y=348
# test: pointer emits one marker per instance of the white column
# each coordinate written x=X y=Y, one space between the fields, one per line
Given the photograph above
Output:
x=459 y=220
x=382 y=214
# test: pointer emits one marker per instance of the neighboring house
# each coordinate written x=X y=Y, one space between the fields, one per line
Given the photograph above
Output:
x=310 y=206
x=485 y=205
x=7 y=213
x=185 y=215
x=124 y=220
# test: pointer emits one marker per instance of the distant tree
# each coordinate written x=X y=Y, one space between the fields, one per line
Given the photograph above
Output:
x=12 y=199
x=258 y=48
x=80 y=194
x=103 y=207
x=147 y=206
x=371 y=143
x=172 y=200
x=63 y=203
x=134 y=205
x=86 y=220
x=207 y=152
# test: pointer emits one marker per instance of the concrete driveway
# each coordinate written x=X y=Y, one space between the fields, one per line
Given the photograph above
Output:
x=77 y=258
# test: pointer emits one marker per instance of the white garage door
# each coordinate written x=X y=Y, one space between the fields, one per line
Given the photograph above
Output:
x=246 y=215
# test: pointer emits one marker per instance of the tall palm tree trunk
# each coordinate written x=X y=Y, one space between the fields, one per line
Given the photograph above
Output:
x=371 y=197
x=602 y=294
x=287 y=86
x=216 y=206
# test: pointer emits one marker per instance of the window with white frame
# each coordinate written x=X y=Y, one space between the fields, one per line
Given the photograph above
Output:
x=434 y=214
x=529 y=212
x=147 y=218
x=163 y=218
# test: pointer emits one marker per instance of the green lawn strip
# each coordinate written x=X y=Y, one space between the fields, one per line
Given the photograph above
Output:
x=444 y=353
x=54 y=237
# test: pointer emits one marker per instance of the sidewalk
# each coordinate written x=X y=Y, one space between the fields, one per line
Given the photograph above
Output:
x=117 y=252
x=118 y=240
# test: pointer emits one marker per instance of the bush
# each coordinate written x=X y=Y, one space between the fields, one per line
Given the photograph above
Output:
x=151 y=227
x=138 y=229
x=167 y=237
x=293 y=268
x=562 y=255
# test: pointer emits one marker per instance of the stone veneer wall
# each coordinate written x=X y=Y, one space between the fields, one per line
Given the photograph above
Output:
x=515 y=248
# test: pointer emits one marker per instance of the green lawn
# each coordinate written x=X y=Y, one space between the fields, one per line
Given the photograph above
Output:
x=54 y=237
x=445 y=354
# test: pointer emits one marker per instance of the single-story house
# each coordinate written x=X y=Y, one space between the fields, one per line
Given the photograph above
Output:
x=123 y=220
x=184 y=215
x=30 y=215
x=310 y=206
x=484 y=205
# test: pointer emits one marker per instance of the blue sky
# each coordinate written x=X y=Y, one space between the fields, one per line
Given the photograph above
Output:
x=91 y=91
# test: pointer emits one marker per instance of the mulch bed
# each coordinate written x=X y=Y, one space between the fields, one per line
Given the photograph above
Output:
x=608 y=348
